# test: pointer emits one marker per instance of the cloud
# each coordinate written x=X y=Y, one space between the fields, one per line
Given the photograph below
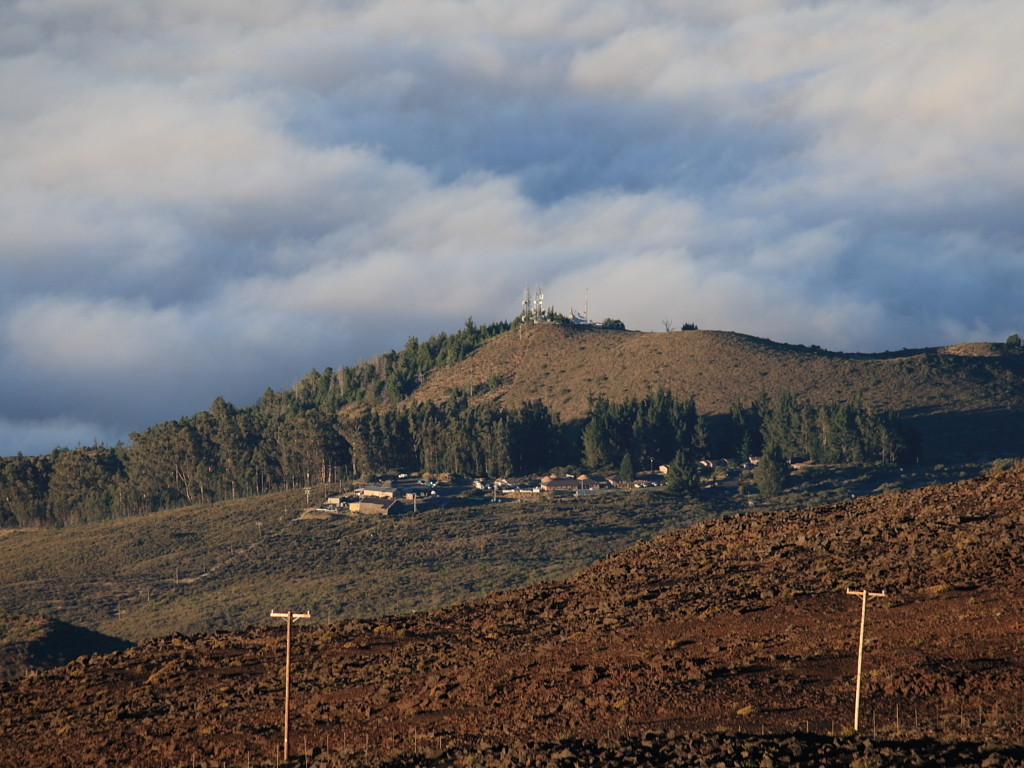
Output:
x=199 y=201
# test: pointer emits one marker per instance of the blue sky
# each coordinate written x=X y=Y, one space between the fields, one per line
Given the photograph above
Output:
x=202 y=199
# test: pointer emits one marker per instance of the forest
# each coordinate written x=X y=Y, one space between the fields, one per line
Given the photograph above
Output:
x=291 y=440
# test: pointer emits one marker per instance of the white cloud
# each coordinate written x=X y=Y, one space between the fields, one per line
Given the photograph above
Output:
x=199 y=200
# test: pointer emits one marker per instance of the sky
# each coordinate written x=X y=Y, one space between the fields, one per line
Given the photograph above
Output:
x=203 y=198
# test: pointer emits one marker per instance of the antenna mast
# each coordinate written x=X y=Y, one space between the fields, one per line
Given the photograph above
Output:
x=539 y=316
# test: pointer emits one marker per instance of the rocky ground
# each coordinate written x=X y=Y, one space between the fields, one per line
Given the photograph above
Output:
x=728 y=643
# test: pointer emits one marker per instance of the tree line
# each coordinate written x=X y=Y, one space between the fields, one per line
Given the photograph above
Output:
x=290 y=439
x=836 y=433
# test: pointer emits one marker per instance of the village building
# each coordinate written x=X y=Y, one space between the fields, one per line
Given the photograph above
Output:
x=552 y=484
x=376 y=506
x=378 y=492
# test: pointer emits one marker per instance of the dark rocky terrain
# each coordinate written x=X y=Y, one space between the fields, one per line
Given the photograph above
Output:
x=727 y=643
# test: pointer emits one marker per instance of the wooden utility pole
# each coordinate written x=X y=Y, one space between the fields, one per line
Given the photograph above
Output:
x=291 y=617
x=863 y=595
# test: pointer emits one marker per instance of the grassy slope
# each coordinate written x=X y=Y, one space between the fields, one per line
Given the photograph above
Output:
x=230 y=577
x=968 y=400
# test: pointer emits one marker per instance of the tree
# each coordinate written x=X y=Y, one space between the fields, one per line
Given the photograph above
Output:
x=595 y=445
x=613 y=325
x=771 y=471
x=682 y=476
x=1013 y=340
x=626 y=469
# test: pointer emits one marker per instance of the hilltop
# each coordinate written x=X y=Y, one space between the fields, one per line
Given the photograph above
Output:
x=966 y=400
x=739 y=624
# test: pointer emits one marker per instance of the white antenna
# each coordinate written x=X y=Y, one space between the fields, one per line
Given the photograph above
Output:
x=586 y=304
x=540 y=304
x=527 y=305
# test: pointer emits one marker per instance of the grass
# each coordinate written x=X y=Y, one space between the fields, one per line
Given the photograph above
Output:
x=227 y=565
x=120 y=576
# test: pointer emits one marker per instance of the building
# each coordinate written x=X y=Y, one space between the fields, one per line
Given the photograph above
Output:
x=378 y=492
x=560 y=484
x=376 y=506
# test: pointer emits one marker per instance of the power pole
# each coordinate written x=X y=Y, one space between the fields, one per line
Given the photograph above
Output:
x=291 y=617
x=863 y=595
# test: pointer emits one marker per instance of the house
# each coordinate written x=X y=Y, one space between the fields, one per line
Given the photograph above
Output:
x=376 y=506
x=617 y=481
x=560 y=484
x=591 y=482
x=377 y=491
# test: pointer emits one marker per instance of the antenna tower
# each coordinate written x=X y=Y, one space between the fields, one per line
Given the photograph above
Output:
x=586 y=304
x=527 y=305
x=539 y=316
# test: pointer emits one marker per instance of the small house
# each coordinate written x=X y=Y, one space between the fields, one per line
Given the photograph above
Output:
x=378 y=492
x=376 y=506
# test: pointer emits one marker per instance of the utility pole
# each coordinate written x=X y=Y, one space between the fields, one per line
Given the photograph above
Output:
x=291 y=617
x=863 y=595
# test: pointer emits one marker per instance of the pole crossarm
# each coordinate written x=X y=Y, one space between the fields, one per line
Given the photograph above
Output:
x=291 y=618
x=863 y=595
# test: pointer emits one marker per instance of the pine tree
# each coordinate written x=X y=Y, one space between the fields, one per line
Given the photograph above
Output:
x=626 y=469
x=682 y=478
x=771 y=471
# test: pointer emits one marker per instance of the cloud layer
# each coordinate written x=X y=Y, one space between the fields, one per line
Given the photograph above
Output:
x=199 y=201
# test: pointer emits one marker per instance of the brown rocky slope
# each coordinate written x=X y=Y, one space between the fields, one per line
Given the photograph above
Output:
x=741 y=624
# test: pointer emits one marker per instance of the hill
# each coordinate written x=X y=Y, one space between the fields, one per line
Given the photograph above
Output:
x=967 y=401
x=515 y=399
x=739 y=624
